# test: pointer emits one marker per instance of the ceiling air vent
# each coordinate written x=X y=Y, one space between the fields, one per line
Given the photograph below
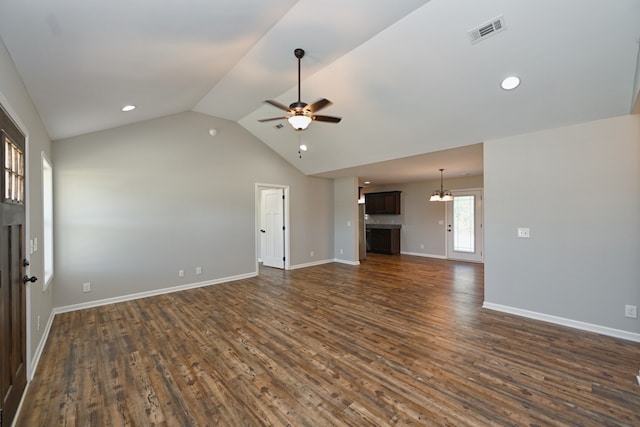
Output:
x=485 y=30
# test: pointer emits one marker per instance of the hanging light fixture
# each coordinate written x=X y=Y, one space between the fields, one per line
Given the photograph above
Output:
x=299 y=121
x=442 y=195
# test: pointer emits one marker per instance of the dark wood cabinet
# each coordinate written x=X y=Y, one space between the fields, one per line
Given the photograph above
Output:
x=386 y=202
x=383 y=240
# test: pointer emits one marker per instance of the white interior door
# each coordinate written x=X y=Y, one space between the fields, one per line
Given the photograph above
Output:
x=272 y=228
x=464 y=226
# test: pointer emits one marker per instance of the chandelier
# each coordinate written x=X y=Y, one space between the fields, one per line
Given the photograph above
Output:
x=441 y=195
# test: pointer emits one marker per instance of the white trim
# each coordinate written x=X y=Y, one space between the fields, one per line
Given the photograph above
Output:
x=324 y=261
x=287 y=223
x=480 y=212
x=424 y=255
x=311 y=264
x=41 y=344
x=130 y=297
x=345 y=261
x=603 y=330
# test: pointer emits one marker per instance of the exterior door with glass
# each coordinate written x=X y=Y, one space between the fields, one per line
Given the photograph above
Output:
x=464 y=226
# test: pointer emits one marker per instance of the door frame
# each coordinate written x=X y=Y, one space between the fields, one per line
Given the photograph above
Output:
x=6 y=105
x=28 y=248
x=479 y=227
x=287 y=236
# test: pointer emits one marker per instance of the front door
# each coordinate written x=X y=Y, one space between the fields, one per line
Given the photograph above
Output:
x=13 y=376
x=464 y=226
x=272 y=228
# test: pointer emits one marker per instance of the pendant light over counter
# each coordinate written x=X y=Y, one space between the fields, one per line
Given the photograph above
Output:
x=442 y=195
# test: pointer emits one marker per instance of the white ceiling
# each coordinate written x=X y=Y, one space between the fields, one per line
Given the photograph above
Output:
x=403 y=75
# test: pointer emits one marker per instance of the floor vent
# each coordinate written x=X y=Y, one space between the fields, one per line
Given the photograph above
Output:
x=492 y=27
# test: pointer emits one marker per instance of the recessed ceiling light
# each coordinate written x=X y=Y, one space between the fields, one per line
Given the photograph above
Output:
x=128 y=108
x=510 y=83
x=367 y=182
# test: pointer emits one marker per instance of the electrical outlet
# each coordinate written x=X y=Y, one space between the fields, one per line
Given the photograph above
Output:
x=180 y=273
x=86 y=287
x=311 y=254
x=341 y=252
x=523 y=232
x=198 y=271
x=631 y=311
x=38 y=323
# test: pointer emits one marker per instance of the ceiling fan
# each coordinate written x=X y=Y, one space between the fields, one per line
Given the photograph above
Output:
x=301 y=113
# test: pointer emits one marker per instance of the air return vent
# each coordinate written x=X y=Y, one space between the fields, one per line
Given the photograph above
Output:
x=492 y=27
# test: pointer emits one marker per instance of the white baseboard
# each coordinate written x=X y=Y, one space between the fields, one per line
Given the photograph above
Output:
x=41 y=344
x=424 y=255
x=310 y=264
x=344 y=261
x=155 y=292
x=603 y=330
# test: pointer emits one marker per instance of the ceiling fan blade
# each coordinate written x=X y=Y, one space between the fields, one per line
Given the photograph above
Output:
x=273 y=118
x=329 y=119
x=277 y=104
x=319 y=105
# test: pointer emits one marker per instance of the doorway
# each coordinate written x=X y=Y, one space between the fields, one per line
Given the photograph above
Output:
x=272 y=218
x=465 y=232
x=13 y=319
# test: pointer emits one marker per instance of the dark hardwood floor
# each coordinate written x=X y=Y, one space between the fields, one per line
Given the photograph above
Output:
x=398 y=340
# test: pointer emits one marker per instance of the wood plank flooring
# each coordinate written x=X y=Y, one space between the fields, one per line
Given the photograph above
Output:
x=398 y=340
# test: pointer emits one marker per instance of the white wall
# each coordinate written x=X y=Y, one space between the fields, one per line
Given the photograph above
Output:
x=15 y=99
x=135 y=204
x=578 y=190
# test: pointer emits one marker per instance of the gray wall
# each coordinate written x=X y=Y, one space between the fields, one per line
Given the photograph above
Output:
x=419 y=217
x=15 y=99
x=135 y=204
x=346 y=219
x=578 y=190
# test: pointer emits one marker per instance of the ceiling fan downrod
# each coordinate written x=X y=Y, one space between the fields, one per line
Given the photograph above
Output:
x=299 y=53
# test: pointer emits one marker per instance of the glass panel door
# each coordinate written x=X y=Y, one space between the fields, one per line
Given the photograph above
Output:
x=464 y=226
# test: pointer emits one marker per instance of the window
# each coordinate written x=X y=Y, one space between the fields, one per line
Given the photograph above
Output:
x=13 y=172
x=47 y=209
x=464 y=224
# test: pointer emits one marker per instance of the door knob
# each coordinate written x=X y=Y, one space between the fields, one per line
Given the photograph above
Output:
x=28 y=279
x=263 y=231
x=25 y=262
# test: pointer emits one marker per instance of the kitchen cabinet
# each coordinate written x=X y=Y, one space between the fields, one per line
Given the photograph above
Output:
x=382 y=203
x=383 y=238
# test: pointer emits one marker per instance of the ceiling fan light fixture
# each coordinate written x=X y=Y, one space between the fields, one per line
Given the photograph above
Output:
x=299 y=121
x=302 y=113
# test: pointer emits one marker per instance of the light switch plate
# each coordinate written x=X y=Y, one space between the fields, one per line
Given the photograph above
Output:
x=523 y=232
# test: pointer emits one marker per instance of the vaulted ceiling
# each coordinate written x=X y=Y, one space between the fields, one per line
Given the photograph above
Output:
x=404 y=75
